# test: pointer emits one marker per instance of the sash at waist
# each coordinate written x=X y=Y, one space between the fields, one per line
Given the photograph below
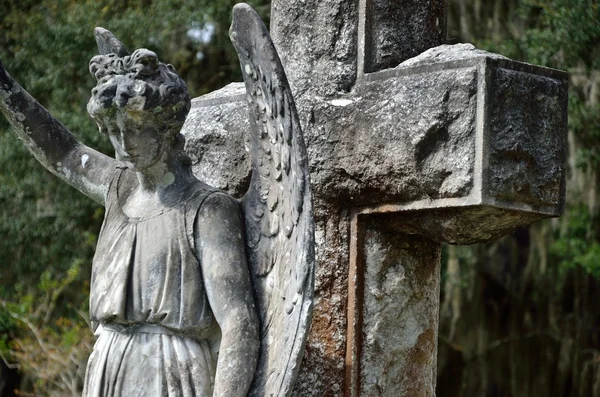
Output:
x=138 y=328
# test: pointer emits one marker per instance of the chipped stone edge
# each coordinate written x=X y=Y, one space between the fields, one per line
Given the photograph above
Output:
x=504 y=63
x=231 y=93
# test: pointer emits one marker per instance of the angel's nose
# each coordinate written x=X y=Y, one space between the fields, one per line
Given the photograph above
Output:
x=104 y=94
x=122 y=95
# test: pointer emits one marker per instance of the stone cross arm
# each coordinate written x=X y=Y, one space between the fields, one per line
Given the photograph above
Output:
x=453 y=128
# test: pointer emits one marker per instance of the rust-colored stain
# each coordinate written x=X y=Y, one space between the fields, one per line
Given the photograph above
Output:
x=322 y=328
x=324 y=356
x=355 y=304
x=420 y=357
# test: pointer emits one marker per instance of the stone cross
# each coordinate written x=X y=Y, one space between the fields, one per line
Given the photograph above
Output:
x=456 y=145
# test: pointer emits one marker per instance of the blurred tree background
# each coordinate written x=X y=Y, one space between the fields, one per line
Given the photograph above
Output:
x=519 y=317
x=48 y=230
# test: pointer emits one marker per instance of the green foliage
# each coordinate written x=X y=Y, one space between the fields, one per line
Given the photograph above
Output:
x=46 y=227
x=48 y=337
x=562 y=33
x=578 y=244
x=584 y=121
x=555 y=33
x=565 y=34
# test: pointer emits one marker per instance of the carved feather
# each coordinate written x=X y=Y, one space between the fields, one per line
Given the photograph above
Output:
x=277 y=208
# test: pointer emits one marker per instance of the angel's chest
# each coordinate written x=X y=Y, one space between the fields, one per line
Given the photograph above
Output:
x=153 y=244
x=138 y=207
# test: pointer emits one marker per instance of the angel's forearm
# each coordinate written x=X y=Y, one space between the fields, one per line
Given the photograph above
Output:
x=237 y=360
x=51 y=143
x=47 y=139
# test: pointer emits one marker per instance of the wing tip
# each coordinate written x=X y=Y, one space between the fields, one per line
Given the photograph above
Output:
x=241 y=10
x=107 y=43
x=241 y=14
x=240 y=7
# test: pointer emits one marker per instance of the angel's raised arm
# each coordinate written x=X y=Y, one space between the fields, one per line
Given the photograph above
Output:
x=51 y=143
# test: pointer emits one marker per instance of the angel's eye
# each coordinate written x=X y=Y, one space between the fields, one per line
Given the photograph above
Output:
x=104 y=78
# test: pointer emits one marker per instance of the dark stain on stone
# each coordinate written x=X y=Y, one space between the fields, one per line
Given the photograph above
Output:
x=419 y=357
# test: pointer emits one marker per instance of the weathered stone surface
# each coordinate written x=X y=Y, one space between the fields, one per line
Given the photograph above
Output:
x=389 y=40
x=217 y=139
x=449 y=53
x=523 y=144
x=418 y=140
x=451 y=102
x=401 y=302
x=335 y=41
x=322 y=372
x=321 y=58
x=424 y=118
x=523 y=153
x=458 y=225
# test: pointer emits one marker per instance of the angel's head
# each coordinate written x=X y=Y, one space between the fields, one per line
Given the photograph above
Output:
x=136 y=94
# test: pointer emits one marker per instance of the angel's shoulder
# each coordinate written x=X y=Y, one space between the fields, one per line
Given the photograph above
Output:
x=210 y=212
x=208 y=204
x=218 y=203
x=216 y=199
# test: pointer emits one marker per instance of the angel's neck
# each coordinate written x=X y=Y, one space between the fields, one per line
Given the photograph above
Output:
x=163 y=175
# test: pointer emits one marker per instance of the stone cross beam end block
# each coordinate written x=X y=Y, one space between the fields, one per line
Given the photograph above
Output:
x=489 y=146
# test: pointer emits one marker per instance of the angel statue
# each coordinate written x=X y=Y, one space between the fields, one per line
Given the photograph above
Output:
x=193 y=293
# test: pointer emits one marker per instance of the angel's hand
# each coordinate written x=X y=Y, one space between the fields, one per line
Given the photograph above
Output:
x=51 y=143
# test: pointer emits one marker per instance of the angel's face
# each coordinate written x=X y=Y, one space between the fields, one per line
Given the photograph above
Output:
x=137 y=96
x=138 y=142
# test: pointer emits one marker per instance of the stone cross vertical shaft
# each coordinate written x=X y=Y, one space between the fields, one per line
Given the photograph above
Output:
x=455 y=145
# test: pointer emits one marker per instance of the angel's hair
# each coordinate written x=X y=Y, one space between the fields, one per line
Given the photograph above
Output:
x=139 y=83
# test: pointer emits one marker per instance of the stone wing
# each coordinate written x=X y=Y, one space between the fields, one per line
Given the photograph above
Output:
x=277 y=209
